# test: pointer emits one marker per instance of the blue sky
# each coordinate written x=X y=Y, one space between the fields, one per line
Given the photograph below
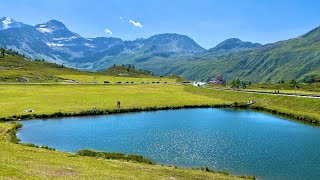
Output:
x=208 y=22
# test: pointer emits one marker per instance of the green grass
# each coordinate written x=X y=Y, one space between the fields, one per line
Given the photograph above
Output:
x=303 y=88
x=114 y=155
x=48 y=99
x=22 y=162
x=125 y=71
x=304 y=109
x=90 y=78
x=15 y=67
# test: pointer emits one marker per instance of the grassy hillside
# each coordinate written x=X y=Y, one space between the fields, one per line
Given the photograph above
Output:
x=18 y=69
x=14 y=67
x=123 y=71
x=297 y=58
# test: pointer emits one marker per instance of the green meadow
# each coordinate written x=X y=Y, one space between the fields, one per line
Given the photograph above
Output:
x=23 y=162
x=51 y=98
x=91 y=95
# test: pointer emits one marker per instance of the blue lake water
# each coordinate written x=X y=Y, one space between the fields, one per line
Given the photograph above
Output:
x=241 y=142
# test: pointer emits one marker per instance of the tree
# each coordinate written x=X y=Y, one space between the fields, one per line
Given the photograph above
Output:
x=234 y=84
x=2 y=52
x=294 y=83
x=311 y=79
x=244 y=86
x=238 y=81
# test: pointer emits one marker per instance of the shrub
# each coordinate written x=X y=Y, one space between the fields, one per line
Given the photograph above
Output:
x=111 y=155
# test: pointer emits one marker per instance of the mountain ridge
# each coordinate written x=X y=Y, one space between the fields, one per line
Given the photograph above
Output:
x=8 y=22
x=170 y=53
x=69 y=48
x=234 y=44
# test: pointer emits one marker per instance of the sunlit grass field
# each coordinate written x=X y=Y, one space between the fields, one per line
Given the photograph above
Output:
x=48 y=99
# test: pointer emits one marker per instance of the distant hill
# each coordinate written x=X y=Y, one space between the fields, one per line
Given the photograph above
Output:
x=297 y=58
x=16 y=68
x=233 y=45
x=171 y=43
x=126 y=71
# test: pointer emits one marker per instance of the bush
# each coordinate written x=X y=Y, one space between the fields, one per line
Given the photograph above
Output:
x=12 y=132
x=33 y=145
x=110 y=155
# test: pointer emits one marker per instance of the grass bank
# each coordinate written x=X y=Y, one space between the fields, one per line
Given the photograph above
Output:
x=71 y=99
x=24 y=162
x=302 y=109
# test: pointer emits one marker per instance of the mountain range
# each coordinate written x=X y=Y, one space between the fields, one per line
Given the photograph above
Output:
x=7 y=22
x=167 y=53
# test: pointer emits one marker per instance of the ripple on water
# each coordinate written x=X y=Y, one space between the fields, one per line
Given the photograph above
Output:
x=238 y=141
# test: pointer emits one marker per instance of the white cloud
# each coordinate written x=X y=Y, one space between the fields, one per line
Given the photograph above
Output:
x=137 y=24
x=108 y=31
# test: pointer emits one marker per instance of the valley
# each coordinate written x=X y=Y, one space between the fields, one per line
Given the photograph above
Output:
x=159 y=90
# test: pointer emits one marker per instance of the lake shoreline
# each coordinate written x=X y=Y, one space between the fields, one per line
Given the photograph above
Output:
x=98 y=111
x=103 y=118
x=12 y=133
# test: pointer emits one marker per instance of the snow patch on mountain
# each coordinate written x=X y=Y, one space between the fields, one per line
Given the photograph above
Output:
x=89 y=45
x=55 y=44
x=66 y=39
x=45 y=30
x=6 y=22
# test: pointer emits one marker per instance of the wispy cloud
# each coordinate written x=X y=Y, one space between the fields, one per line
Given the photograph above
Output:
x=121 y=18
x=108 y=31
x=137 y=24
